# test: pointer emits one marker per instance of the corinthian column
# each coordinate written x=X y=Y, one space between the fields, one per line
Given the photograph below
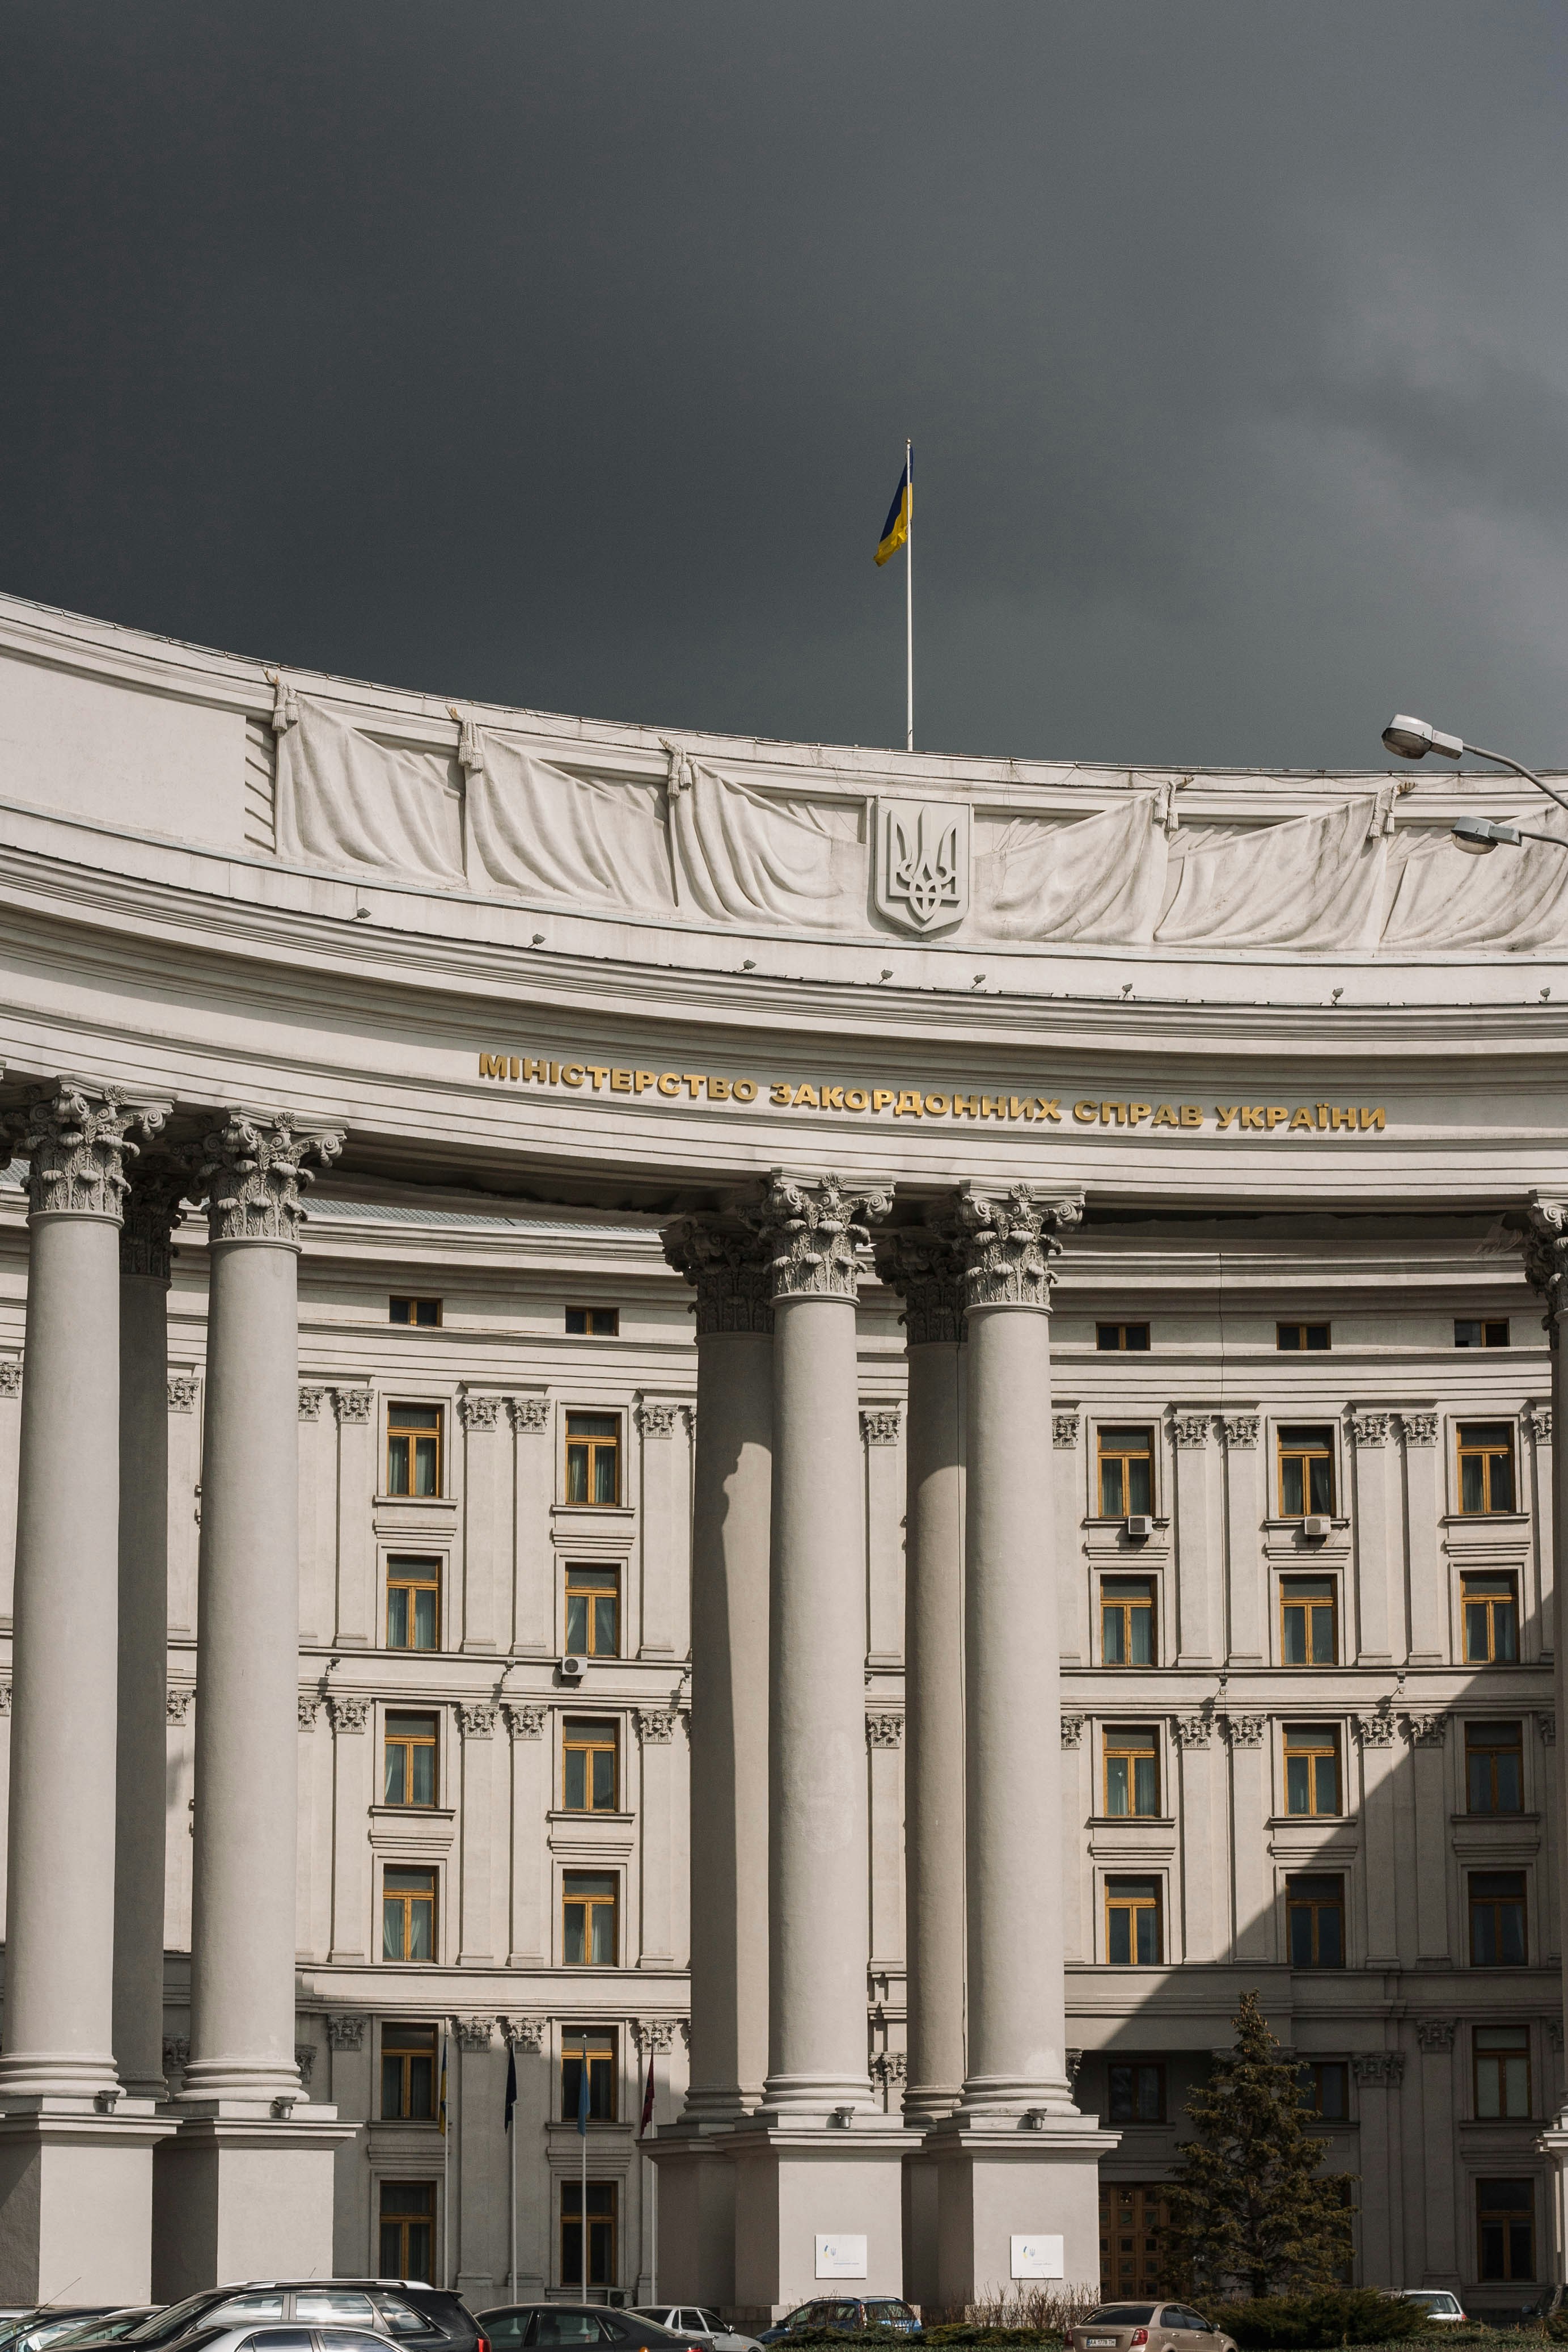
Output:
x=793 y=2180
x=152 y=1212
x=1016 y=2157
x=925 y=1269
x=64 y=2153
x=1546 y=1266
x=247 y=1652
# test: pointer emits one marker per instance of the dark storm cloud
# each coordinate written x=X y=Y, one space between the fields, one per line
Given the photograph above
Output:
x=564 y=355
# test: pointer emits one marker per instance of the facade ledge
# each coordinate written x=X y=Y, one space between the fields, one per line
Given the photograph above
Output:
x=1482 y=1524
x=571 y=1846
x=407 y=1826
x=585 y=1515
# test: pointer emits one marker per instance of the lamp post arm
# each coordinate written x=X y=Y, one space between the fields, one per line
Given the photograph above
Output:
x=1502 y=760
x=1528 y=834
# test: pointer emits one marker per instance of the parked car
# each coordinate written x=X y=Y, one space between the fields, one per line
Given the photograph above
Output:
x=423 y=2318
x=1161 y=2327
x=111 y=2330
x=836 y=2311
x=46 y=2323
x=226 y=2335
x=702 y=2326
x=512 y=2326
x=1441 y=2305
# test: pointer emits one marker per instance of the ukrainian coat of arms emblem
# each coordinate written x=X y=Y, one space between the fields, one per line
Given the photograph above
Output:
x=921 y=875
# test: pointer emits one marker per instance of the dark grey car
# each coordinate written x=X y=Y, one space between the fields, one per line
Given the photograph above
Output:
x=517 y=2326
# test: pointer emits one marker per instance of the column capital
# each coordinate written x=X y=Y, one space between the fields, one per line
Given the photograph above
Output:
x=252 y=1171
x=149 y=1212
x=1006 y=1240
x=728 y=1267
x=75 y=1136
x=815 y=1231
x=925 y=1268
x=1546 y=1250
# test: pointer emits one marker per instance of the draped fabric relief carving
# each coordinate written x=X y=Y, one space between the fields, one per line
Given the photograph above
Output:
x=692 y=842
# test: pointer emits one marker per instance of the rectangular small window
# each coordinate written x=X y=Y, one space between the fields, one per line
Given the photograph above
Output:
x=410 y=1778
x=593 y=1458
x=408 y=2230
x=1492 y=1620
x=413 y=1604
x=587 y=2045
x=1480 y=1335
x=1494 y=1768
x=1502 y=2071
x=1127 y=1620
x=594 y=1322
x=1131 y=1921
x=1289 y=1336
x=588 y=1919
x=408 y=2074
x=1505 y=2228
x=408 y=1915
x=1306 y=1472
x=1486 y=1466
x=425 y=1313
x=601 y=2235
x=1122 y=1339
x=1132 y=1773
x=1308 y=1633
x=1134 y=2091
x=588 y=1762
x=592 y=1610
x=1326 y=2088
x=1314 y=1919
x=1311 y=1768
x=1126 y=1472
x=1496 y=1919
x=414 y=1449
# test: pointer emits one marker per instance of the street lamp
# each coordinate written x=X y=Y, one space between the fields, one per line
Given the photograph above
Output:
x=1412 y=739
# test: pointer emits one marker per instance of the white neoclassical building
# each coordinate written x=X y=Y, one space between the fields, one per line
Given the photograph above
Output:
x=850 y=1434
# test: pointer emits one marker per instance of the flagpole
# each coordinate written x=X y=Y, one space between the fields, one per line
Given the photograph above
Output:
x=909 y=601
x=512 y=2160
x=582 y=2240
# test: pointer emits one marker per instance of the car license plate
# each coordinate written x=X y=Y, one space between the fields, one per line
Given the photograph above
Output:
x=1099 y=2344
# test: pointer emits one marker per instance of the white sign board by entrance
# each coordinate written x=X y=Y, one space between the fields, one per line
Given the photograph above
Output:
x=1033 y=2258
x=842 y=2257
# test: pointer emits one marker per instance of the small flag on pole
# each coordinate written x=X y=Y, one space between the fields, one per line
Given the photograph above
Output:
x=511 y=2084
x=647 y=2101
x=895 y=529
x=583 y=2092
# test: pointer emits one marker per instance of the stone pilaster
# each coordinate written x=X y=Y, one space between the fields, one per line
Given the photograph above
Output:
x=1546 y=1266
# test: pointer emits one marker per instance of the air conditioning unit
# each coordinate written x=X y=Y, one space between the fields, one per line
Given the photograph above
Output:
x=1140 y=1525
x=1315 y=1529
x=573 y=1670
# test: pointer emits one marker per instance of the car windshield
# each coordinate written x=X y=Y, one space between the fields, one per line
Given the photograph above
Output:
x=1122 y=2315
x=164 y=2325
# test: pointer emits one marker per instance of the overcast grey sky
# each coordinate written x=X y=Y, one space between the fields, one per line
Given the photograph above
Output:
x=563 y=354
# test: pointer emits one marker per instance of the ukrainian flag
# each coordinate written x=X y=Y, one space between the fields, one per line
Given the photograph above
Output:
x=895 y=529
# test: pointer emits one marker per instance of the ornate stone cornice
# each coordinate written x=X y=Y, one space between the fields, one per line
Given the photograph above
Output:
x=925 y=1269
x=522 y=1720
x=1427 y=1730
x=304 y=2059
x=310 y=1707
x=656 y=1726
x=1244 y=1730
x=1383 y=2069
x=76 y=1136
x=352 y=1407
x=1240 y=1430
x=310 y=1403
x=1538 y=1421
x=474 y=2032
x=816 y=1233
x=879 y=1426
x=728 y=1268
x=1369 y=1428
x=1546 y=1724
x=656 y=1416
x=1064 y=1428
x=347 y=1711
x=478 y=1412
x=10 y=1375
x=149 y=1212
x=1420 y=1428
x=477 y=1718
x=1377 y=1729
x=530 y=1414
x=1006 y=1242
x=345 y=2029
x=884 y=1730
x=1546 y=1250
x=1071 y=1730
x=181 y=1391
x=651 y=2033
x=252 y=1170
x=888 y=2067
x=1191 y=1730
x=177 y=1704
x=1190 y=1430
x=1435 y=2032
x=526 y=2033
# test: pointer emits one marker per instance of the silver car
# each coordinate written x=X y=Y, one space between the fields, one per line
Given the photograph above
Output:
x=1158 y=2327
x=225 y=2336
x=702 y=2325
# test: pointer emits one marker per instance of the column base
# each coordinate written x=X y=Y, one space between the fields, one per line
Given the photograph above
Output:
x=240 y=2193
x=795 y=2186
x=61 y=2161
x=697 y=2213
x=1001 y=2181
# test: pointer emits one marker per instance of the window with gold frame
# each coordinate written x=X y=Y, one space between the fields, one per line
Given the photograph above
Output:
x=1490 y=1608
x=589 y=1924
x=1326 y=2088
x=414 y=1449
x=1126 y=1470
x=1132 y=1922
x=1498 y=1938
x=1494 y=1768
x=408 y=1914
x=603 y=2202
x=1314 y=1920
x=1132 y=1773
x=590 y=1759
x=1127 y=1620
x=1505 y=2230
x=1311 y=1768
x=1308 y=1621
x=594 y=2046
x=593 y=1609
x=594 y=1459
x=408 y=2074
x=1306 y=1471
x=407 y=2229
x=1486 y=1467
x=1500 y=2057
x=409 y=1777
x=413 y=1603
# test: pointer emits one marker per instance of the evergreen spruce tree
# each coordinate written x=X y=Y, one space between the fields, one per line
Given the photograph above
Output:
x=1247 y=2204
